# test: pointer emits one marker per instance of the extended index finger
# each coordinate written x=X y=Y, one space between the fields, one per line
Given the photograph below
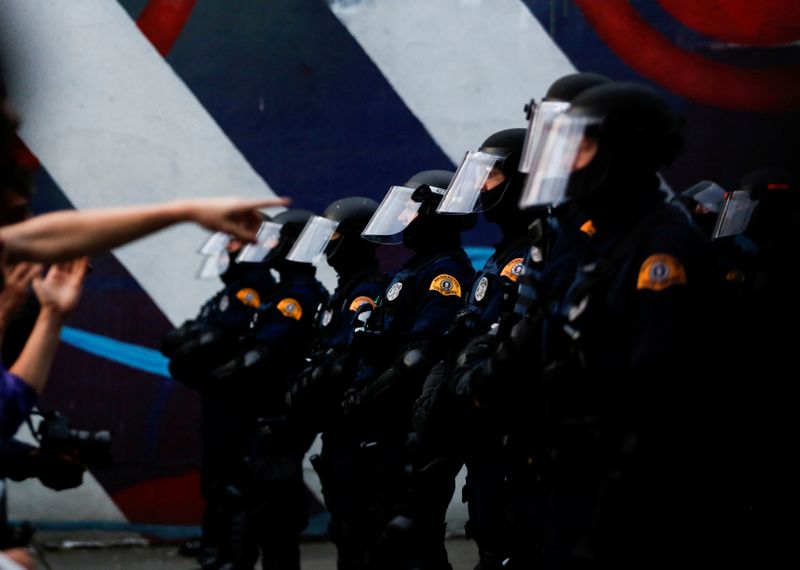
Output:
x=265 y=203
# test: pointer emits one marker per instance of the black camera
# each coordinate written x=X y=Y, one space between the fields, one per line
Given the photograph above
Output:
x=56 y=435
x=17 y=536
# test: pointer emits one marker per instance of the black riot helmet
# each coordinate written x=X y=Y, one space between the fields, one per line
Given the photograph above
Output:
x=221 y=256
x=337 y=234
x=488 y=181
x=346 y=244
x=275 y=238
x=613 y=138
x=500 y=202
x=570 y=86
x=541 y=116
x=408 y=214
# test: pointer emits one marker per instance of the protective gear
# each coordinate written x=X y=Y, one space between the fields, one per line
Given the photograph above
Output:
x=703 y=202
x=275 y=238
x=488 y=181
x=556 y=101
x=337 y=234
x=408 y=214
x=611 y=134
x=222 y=254
x=765 y=197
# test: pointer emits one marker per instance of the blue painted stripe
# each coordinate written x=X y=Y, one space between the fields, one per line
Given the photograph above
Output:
x=134 y=356
x=478 y=255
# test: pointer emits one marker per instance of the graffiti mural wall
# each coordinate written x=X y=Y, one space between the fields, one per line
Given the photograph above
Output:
x=131 y=101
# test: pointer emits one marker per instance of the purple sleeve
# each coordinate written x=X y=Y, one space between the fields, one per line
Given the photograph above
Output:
x=16 y=402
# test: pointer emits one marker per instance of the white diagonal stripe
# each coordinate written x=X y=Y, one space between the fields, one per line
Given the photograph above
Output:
x=113 y=124
x=465 y=68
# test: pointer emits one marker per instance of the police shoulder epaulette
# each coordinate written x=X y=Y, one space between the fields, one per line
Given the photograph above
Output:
x=249 y=297
x=513 y=269
x=291 y=308
x=446 y=285
x=361 y=300
x=659 y=271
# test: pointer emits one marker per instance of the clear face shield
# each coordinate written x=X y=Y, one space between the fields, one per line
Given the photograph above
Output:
x=708 y=195
x=216 y=260
x=737 y=209
x=214 y=265
x=396 y=212
x=311 y=243
x=267 y=238
x=541 y=118
x=479 y=172
x=214 y=244
x=547 y=184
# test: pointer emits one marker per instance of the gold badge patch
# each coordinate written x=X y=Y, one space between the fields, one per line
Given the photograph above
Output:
x=513 y=269
x=358 y=301
x=588 y=228
x=249 y=297
x=290 y=308
x=660 y=271
x=446 y=285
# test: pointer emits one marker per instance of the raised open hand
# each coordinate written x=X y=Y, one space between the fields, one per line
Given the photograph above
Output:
x=60 y=289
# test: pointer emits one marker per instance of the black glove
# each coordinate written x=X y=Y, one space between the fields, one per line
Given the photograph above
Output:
x=351 y=401
x=246 y=364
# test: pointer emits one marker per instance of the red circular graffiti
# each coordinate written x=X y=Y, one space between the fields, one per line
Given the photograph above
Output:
x=162 y=21
x=687 y=74
x=748 y=22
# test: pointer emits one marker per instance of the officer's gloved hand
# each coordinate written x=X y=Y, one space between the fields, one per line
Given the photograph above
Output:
x=513 y=332
x=430 y=401
x=351 y=401
x=178 y=336
x=58 y=471
x=245 y=364
x=305 y=386
x=470 y=358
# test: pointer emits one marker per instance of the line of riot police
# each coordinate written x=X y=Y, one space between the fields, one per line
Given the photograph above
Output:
x=583 y=375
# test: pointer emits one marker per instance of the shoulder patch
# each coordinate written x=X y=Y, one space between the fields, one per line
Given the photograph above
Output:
x=361 y=300
x=446 y=285
x=588 y=228
x=513 y=269
x=290 y=308
x=249 y=297
x=660 y=271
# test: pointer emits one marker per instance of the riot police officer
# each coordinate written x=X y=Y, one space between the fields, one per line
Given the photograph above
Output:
x=315 y=397
x=265 y=496
x=401 y=340
x=609 y=342
x=195 y=348
x=500 y=513
x=487 y=181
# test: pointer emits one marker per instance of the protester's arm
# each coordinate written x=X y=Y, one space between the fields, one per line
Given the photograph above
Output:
x=16 y=559
x=58 y=236
x=58 y=293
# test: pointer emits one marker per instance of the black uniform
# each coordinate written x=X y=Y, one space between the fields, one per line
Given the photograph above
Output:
x=266 y=494
x=615 y=442
x=403 y=514
x=195 y=349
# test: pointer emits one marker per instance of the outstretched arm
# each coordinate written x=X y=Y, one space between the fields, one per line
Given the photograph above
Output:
x=58 y=236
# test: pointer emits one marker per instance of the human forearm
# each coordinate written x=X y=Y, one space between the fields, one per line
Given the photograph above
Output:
x=59 y=236
x=34 y=363
x=67 y=234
